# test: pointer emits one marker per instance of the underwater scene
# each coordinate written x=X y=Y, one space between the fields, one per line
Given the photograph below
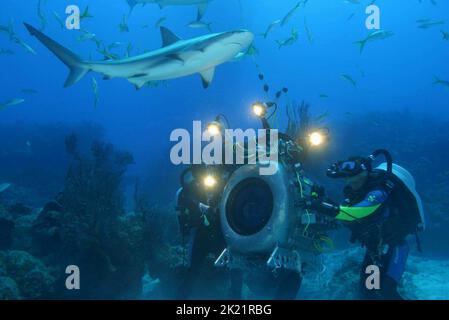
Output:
x=224 y=149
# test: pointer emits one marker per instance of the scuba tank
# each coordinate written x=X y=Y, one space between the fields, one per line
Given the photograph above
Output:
x=403 y=196
x=403 y=190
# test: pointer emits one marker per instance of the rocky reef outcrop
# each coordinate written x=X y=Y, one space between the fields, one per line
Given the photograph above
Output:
x=24 y=276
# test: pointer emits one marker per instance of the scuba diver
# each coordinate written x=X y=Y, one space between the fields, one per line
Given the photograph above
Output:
x=197 y=204
x=381 y=208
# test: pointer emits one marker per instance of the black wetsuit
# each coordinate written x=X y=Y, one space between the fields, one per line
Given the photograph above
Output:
x=202 y=238
x=379 y=228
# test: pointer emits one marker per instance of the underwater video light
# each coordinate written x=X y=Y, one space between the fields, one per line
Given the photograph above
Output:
x=259 y=109
x=318 y=137
x=209 y=181
x=214 y=128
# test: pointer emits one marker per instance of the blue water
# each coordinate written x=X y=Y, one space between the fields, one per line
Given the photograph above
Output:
x=393 y=74
x=398 y=71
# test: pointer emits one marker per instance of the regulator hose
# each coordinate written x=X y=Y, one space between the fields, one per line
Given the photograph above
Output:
x=387 y=156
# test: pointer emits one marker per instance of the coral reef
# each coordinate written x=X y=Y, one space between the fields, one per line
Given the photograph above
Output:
x=424 y=279
x=26 y=276
x=8 y=289
x=88 y=227
x=138 y=254
x=6 y=230
x=33 y=159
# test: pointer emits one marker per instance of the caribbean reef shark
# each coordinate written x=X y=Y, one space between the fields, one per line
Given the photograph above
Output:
x=177 y=58
x=202 y=4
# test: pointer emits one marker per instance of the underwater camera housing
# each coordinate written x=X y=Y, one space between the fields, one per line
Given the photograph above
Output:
x=261 y=223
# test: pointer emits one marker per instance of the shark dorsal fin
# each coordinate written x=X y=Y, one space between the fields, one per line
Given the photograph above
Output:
x=168 y=37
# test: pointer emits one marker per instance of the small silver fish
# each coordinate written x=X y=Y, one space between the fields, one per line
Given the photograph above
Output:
x=431 y=23
x=373 y=36
x=86 y=35
x=322 y=116
x=290 y=14
x=115 y=45
x=12 y=102
x=200 y=25
x=308 y=32
x=441 y=82
x=271 y=27
x=289 y=41
x=41 y=15
x=4 y=186
x=25 y=45
x=59 y=19
x=349 y=79
x=108 y=55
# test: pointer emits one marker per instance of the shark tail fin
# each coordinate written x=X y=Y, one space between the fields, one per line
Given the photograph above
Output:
x=361 y=44
x=78 y=68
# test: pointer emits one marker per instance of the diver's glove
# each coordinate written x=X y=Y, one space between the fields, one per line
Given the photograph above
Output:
x=205 y=210
x=319 y=205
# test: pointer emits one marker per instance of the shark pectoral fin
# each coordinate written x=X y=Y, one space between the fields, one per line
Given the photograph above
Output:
x=168 y=37
x=207 y=76
x=201 y=10
x=138 y=82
